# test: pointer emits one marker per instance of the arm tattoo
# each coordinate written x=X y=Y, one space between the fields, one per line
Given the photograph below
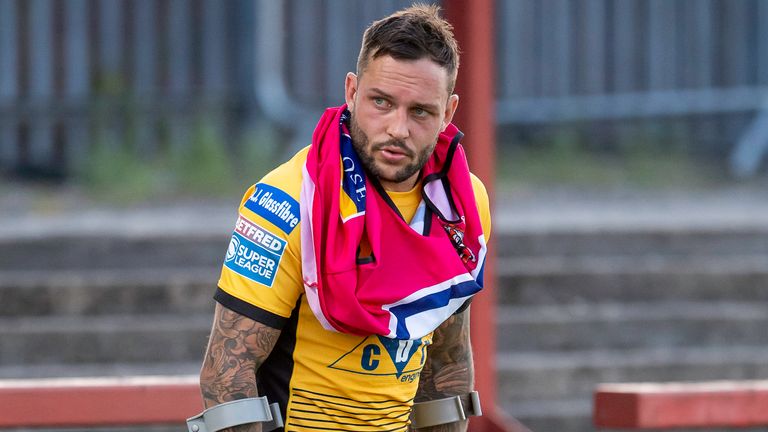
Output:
x=236 y=349
x=448 y=370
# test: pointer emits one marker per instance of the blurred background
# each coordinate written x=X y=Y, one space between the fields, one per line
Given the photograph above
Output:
x=630 y=208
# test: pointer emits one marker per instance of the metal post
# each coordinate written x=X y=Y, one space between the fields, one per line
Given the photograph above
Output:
x=41 y=90
x=246 y=35
x=661 y=48
x=307 y=50
x=271 y=92
x=594 y=46
x=556 y=36
x=77 y=82
x=762 y=44
x=110 y=112
x=215 y=64
x=516 y=52
x=336 y=17
x=750 y=150
x=8 y=83
x=213 y=48
x=474 y=29
x=144 y=77
x=180 y=74
x=624 y=66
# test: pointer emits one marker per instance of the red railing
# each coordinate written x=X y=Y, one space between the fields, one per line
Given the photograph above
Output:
x=89 y=402
x=130 y=401
x=135 y=401
x=681 y=405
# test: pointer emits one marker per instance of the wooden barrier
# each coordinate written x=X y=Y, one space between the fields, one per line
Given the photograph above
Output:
x=681 y=405
x=68 y=402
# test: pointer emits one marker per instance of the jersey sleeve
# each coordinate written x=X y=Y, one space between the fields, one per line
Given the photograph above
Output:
x=483 y=206
x=261 y=274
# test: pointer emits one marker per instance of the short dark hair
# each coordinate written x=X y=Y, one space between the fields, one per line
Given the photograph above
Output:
x=412 y=34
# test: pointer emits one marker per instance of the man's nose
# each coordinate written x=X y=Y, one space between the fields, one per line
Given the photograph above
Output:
x=398 y=125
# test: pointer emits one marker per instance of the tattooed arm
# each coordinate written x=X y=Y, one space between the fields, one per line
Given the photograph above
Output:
x=448 y=370
x=236 y=349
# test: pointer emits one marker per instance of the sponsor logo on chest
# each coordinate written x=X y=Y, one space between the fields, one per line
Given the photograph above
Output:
x=378 y=355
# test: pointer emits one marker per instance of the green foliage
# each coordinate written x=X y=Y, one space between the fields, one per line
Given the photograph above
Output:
x=260 y=151
x=642 y=157
x=109 y=84
x=203 y=166
x=113 y=173
x=198 y=164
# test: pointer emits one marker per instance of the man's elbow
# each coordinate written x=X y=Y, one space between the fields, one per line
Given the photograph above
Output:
x=210 y=387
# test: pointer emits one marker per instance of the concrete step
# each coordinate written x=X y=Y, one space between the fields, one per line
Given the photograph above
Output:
x=121 y=245
x=561 y=415
x=176 y=290
x=558 y=375
x=629 y=240
x=575 y=415
x=582 y=326
x=104 y=339
x=557 y=280
x=55 y=370
x=112 y=251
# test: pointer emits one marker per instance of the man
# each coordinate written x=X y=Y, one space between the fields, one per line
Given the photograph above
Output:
x=344 y=295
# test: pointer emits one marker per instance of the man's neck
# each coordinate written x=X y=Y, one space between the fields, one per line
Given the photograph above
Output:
x=403 y=186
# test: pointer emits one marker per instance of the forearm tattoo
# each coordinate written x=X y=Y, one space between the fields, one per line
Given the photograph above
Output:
x=448 y=370
x=236 y=349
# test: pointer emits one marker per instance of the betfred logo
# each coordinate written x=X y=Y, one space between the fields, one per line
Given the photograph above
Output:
x=258 y=235
x=254 y=252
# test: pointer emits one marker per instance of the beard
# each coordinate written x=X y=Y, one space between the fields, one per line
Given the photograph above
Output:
x=365 y=151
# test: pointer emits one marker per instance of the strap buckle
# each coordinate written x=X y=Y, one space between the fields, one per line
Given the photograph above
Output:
x=237 y=412
x=448 y=410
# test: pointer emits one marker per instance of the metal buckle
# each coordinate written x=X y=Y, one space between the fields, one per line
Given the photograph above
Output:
x=237 y=412
x=448 y=410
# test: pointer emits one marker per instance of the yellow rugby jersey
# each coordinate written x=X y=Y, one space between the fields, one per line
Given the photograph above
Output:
x=323 y=380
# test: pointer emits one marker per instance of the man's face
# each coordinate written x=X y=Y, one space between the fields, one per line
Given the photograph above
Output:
x=398 y=107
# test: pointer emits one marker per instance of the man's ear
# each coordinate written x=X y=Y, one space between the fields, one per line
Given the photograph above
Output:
x=350 y=90
x=450 y=110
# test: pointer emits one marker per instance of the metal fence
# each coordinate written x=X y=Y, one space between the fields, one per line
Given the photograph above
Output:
x=76 y=75
x=560 y=60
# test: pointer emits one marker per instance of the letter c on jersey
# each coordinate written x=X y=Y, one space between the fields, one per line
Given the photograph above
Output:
x=369 y=360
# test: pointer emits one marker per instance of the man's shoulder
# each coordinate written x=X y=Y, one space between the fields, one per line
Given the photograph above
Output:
x=287 y=176
x=481 y=194
x=483 y=204
x=275 y=198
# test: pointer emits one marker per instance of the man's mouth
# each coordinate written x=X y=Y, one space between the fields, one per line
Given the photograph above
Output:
x=393 y=152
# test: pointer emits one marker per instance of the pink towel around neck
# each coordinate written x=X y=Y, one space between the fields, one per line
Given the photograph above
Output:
x=417 y=274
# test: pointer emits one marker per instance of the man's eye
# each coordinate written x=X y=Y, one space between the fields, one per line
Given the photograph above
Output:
x=420 y=112
x=379 y=101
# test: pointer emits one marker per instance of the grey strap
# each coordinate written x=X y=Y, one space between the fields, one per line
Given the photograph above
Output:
x=237 y=412
x=448 y=410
